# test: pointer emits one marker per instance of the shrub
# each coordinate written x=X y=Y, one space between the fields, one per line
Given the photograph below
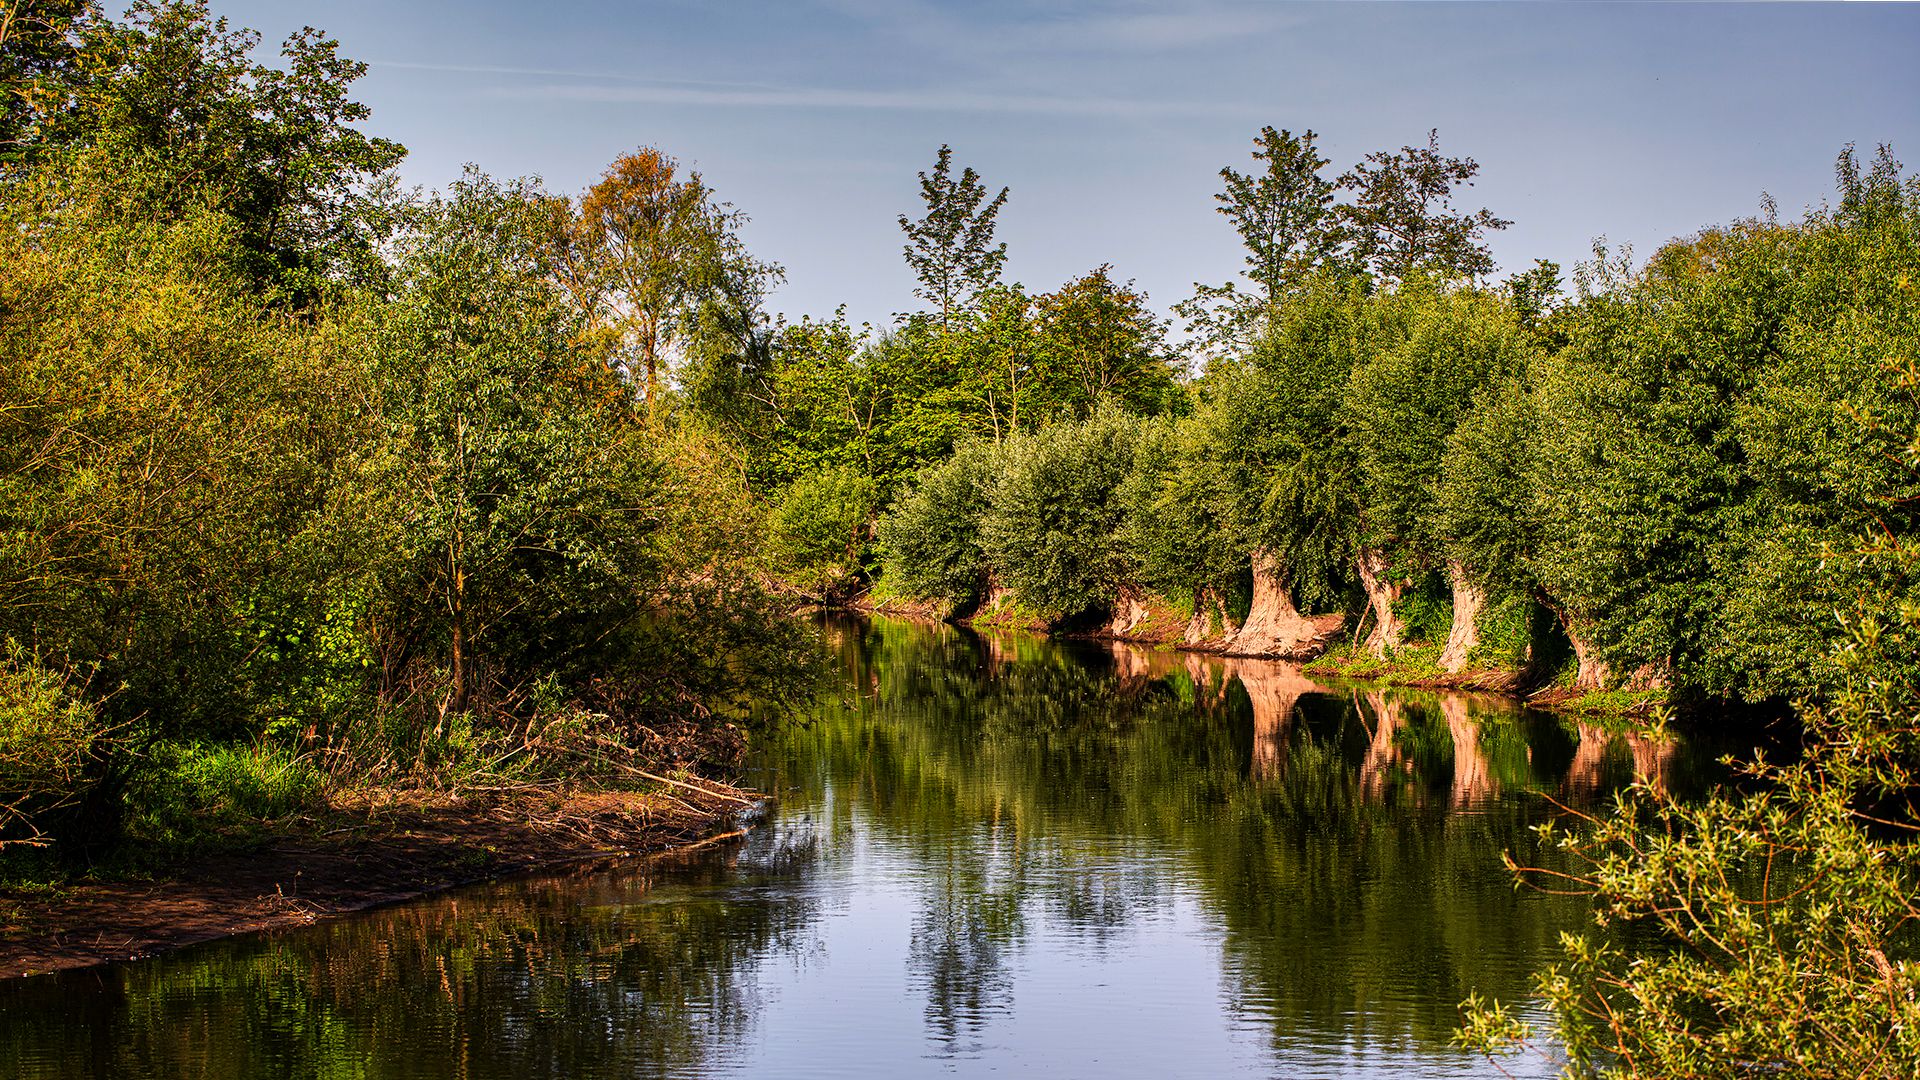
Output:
x=930 y=539
x=819 y=528
x=48 y=742
x=1053 y=530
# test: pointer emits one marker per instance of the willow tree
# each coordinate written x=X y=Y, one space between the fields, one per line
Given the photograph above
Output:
x=1701 y=441
x=646 y=254
x=1446 y=345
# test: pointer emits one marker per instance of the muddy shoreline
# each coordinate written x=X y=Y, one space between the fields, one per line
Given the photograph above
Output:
x=362 y=853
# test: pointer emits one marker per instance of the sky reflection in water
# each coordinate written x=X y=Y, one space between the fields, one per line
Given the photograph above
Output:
x=993 y=855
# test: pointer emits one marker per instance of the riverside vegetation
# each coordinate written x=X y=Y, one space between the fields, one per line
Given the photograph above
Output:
x=312 y=485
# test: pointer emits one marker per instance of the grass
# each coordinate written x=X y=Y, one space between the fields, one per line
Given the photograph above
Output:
x=1619 y=702
x=1410 y=663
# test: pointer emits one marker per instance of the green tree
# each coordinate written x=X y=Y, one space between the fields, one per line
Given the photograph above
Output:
x=178 y=116
x=930 y=540
x=1780 y=915
x=1287 y=219
x=1441 y=348
x=39 y=49
x=1402 y=220
x=651 y=257
x=1285 y=213
x=819 y=529
x=1052 y=531
x=951 y=249
x=1098 y=341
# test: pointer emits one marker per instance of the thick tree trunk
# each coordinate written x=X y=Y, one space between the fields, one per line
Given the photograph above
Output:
x=1129 y=611
x=1382 y=592
x=1469 y=600
x=1592 y=671
x=1208 y=613
x=1274 y=627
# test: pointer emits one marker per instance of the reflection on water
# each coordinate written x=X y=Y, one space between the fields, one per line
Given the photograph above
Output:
x=992 y=854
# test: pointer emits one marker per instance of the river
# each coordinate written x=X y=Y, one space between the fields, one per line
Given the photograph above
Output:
x=991 y=855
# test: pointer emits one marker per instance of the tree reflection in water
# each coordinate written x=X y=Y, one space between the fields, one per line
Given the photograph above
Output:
x=1028 y=847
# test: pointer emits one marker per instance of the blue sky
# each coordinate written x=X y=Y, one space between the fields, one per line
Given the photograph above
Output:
x=1110 y=121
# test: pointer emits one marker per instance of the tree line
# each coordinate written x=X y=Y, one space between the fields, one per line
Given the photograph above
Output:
x=1645 y=475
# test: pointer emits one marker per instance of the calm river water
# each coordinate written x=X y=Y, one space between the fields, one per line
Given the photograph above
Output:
x=992 y=855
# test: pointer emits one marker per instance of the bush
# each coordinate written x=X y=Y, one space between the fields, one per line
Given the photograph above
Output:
x=48 y=742
x=817 y=532
x=1052 y=533
x=930 y=539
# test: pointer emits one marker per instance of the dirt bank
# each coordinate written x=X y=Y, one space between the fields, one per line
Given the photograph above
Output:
x=365 y=851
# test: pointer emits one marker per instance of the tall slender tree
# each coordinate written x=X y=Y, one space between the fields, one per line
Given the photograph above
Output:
x=951 y=248
x=1285 y=213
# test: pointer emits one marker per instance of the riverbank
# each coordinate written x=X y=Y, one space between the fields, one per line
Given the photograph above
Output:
x=366 y=849
x=1310 y=641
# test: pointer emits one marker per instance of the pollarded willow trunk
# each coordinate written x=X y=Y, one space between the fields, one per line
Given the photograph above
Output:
x=1469 y=601
x=1210 y=626
x=1274 y=627
x=1129 y=611
x=1592 y=671
x=1383 y=592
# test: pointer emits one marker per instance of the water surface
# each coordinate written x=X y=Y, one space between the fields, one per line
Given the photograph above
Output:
x=991 y=856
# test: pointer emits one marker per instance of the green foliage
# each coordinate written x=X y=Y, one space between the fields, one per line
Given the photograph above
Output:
x=1782 y=914
x=175 y=116
x=817 y=531
x=1700 y=437
x=355 y=539
x=1291 y=459
x=1435 y=350
x=1402 y=219
x=51 y=739
x=951 y=249
x=1426 y=611
x=930 y=540
x=1183 y=529
x=1051 y=532
x=189 y=793
x=1509 y=628
x=1485 y=511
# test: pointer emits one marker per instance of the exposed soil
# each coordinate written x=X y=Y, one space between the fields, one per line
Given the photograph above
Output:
x=369 y=851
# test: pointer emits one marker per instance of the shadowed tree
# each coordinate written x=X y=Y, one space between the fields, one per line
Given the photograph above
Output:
x=39 y=48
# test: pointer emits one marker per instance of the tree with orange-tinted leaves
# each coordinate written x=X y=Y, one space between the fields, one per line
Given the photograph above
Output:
x=647 y=252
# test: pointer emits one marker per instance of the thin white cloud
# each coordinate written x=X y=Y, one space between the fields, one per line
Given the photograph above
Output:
x=821 y=98
x=611 y=76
